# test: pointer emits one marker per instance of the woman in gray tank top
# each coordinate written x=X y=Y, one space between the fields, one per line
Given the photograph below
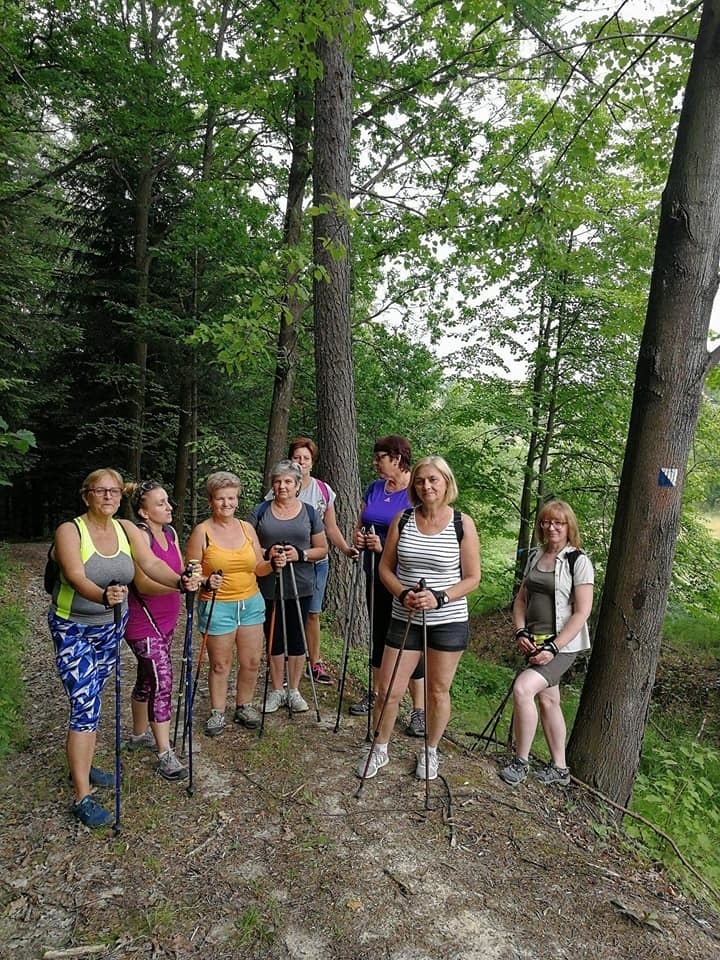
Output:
x=95 y=554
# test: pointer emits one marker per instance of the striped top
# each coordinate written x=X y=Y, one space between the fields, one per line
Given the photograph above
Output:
x=436 y=558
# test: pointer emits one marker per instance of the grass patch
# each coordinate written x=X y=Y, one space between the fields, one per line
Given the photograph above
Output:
x=697 y=634
x=13 y=634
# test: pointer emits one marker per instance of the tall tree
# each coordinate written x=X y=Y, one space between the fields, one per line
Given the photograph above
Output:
x=673 y=362
x=335 y=388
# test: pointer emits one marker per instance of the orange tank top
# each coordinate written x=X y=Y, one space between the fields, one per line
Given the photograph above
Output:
x=237 y=565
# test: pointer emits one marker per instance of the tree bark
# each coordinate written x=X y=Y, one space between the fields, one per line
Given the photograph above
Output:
x=606 y=742
x=294 y=307
x=335 y=388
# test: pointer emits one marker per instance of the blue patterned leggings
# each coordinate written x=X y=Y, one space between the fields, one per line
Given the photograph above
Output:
x=85 y=658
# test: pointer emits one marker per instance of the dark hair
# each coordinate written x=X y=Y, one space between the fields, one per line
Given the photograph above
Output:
x=396 y=446
x=303 y=442
x=136 y=493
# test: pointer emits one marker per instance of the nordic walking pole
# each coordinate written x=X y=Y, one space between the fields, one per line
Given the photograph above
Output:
x=184 y=667
x=495 y=719
x=186 y=670
x=283 y=621
x=348 y=634
x=117 y=618
x=411 y=614
x=304 y=640
x=203 y=646
x=187 y=727
x=268 y=654
x=422 y=586
x=371 y=641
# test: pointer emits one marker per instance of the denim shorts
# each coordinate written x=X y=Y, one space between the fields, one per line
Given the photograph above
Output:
x=321 y=570
x=228 y=615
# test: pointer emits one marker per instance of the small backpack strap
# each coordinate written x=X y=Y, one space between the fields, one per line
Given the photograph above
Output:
x=403 y=519
x=324 y=491
x=458 y=524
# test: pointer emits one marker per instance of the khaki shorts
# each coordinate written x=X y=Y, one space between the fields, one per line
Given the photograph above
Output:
x=558 y=666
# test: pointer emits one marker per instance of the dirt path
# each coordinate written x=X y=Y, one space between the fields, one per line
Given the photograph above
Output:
x=273 y=857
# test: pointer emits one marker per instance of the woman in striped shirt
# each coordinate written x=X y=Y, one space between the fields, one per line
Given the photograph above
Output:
x=434 y=543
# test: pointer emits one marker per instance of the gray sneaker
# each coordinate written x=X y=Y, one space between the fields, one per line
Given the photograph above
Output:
x=170 y=767
x=275 y=700
x=376 y=762
x=247 y=716
x=141 y=740
x=416 y=725
x=432 y=766
x=551 y=774
x=515 y=772
x=215 y=723
x=296 y=701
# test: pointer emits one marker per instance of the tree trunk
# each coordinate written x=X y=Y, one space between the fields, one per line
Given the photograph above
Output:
x=143 y=199
x=294 y=308
x=527 y=513
x=335 y=388
x=607 y=739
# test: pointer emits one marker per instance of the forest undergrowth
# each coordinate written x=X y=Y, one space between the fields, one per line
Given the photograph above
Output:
x=273 y=856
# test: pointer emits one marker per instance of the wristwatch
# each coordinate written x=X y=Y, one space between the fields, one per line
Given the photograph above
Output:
x=442 y=598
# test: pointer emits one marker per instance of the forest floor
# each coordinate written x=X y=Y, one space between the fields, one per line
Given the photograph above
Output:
x=274 y=857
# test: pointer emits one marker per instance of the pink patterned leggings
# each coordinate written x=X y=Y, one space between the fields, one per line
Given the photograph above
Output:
x=154 y=681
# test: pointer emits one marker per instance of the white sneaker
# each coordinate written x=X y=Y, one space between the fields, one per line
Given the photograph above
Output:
x=377 y=760
x=297 y=702
x=432 y=768
x=275 y=700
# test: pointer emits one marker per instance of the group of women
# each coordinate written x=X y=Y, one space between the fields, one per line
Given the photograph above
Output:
x=266 y=577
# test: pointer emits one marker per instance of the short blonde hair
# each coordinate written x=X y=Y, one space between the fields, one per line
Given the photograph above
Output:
x=219 y=480
x=565 y=511
x=92 y=478
x=442 y=467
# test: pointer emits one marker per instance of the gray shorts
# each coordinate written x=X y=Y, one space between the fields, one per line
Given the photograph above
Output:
x=558 y=666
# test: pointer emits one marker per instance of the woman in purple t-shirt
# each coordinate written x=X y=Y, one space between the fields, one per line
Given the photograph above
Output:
x=381 y=502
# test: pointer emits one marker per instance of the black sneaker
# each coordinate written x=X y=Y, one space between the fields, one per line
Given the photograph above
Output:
x=364 y=706
x=416 y=724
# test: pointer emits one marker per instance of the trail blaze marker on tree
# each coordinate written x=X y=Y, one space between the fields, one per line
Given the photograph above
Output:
x=668 y=477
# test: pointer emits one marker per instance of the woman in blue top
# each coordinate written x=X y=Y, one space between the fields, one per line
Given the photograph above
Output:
x=381 y=502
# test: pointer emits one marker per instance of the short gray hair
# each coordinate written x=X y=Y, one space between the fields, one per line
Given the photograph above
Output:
x=285 y=468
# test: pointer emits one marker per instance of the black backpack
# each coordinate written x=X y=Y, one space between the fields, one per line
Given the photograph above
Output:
x=51 y=574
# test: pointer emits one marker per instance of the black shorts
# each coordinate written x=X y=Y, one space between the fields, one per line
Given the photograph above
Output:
x=448 y=637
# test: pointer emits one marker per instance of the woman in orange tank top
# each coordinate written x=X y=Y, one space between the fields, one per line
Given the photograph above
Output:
x=225 y=543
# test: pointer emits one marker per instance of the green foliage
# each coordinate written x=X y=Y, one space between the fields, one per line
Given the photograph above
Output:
x=677 y=791
x=13 y=632
x=696 y=576
x=14 y=444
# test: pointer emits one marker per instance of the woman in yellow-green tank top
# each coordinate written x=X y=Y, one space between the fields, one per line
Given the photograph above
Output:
x=95 y=555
